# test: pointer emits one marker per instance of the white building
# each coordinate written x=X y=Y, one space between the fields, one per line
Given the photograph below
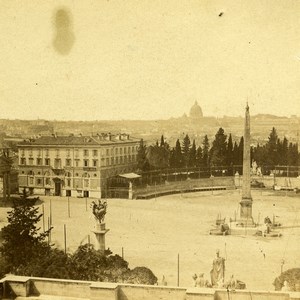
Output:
x=74 y=165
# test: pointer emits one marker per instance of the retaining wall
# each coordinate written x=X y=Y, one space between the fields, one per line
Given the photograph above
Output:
x=12 y=287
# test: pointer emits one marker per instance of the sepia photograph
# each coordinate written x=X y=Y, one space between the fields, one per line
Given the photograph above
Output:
x=150 y=149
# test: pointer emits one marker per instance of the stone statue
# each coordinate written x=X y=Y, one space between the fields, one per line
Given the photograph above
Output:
x=254 y=168
x=218 y=271
x=99 y=210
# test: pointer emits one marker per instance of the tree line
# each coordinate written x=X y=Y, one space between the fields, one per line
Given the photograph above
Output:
x=221 y=151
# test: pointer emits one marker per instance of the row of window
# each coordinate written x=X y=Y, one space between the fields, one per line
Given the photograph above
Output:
x=86 y=152
x=67 y=174
x=57 y=164
x=47 y=181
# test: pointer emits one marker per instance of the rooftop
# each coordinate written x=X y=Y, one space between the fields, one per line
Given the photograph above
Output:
x=97 y=139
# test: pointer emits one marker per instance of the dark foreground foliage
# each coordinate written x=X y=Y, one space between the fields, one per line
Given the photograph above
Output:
x=25 y=251
x=291 y=276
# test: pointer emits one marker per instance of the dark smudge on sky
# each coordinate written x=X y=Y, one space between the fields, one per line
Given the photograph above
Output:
x=64 y=37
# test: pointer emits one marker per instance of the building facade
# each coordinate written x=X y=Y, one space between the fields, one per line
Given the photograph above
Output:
x=78 y=166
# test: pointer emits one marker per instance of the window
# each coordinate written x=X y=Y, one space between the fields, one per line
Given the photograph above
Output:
x=47 y=181
x=117 y=151
x=68 y=182
x=30 y=152
x=107 y=161
x=121 y=151
x=68 y=152
x=57 y=163
x=121 y=159
x=38 y=161
x=23 y=161
x=76 y=153
x=112 y=160
x=68 y=162
x=22 y=152
x=117 y=160
x=125 y=150
x=86 y=152
x=95 y=163
x=86 y=177
x=107 y=152
x=46 y=152
x=30 y=161
x=76 y=162
x=85 y=162
x=31 y=180
x=95 y=152
x=39 y=181
x=47 y=161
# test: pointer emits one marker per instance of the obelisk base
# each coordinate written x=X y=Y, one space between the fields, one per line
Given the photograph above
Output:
x=100 y=232
x=246 y=219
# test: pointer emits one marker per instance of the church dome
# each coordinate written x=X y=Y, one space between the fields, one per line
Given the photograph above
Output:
x=196 y=111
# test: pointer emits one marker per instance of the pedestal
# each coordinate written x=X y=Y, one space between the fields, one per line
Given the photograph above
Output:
x=246 y=219
x=100 y=232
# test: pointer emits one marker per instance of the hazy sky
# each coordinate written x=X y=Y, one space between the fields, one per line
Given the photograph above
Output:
x=87 y=60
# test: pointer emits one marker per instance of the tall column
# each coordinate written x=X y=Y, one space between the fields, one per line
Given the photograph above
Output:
x=100 y=232
x=246 y=202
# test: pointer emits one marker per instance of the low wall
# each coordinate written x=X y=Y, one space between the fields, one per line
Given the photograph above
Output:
x=190 y=185
x=270 y=181
x=12 y=287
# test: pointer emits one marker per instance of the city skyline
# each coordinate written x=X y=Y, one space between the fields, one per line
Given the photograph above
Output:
x=143 y=60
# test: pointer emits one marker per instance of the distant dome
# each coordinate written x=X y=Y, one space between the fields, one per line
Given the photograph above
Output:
x=196 y=111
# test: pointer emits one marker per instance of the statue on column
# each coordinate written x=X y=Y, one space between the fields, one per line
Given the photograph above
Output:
x=218 y=271
x=99 y=210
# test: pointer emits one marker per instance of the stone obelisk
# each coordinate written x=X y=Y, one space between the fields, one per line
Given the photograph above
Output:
x=246 y=202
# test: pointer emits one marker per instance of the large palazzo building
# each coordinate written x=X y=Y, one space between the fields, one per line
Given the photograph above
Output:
x=75 y=165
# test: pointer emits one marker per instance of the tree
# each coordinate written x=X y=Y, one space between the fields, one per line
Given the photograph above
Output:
x=292 y=276
x=162 y=141
x=284 y=152
x=272 y=149
x=192 y=156
x=292 y=157
x=219 y=148
x=142 y=161
x=229 y=151
x=22 y=240
x=159 y=155
x=176 y=159
x=205 y=152
x=199 y=156
x=240 y=151
x=89 y=264
x=140 y=275
x=186 y=145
